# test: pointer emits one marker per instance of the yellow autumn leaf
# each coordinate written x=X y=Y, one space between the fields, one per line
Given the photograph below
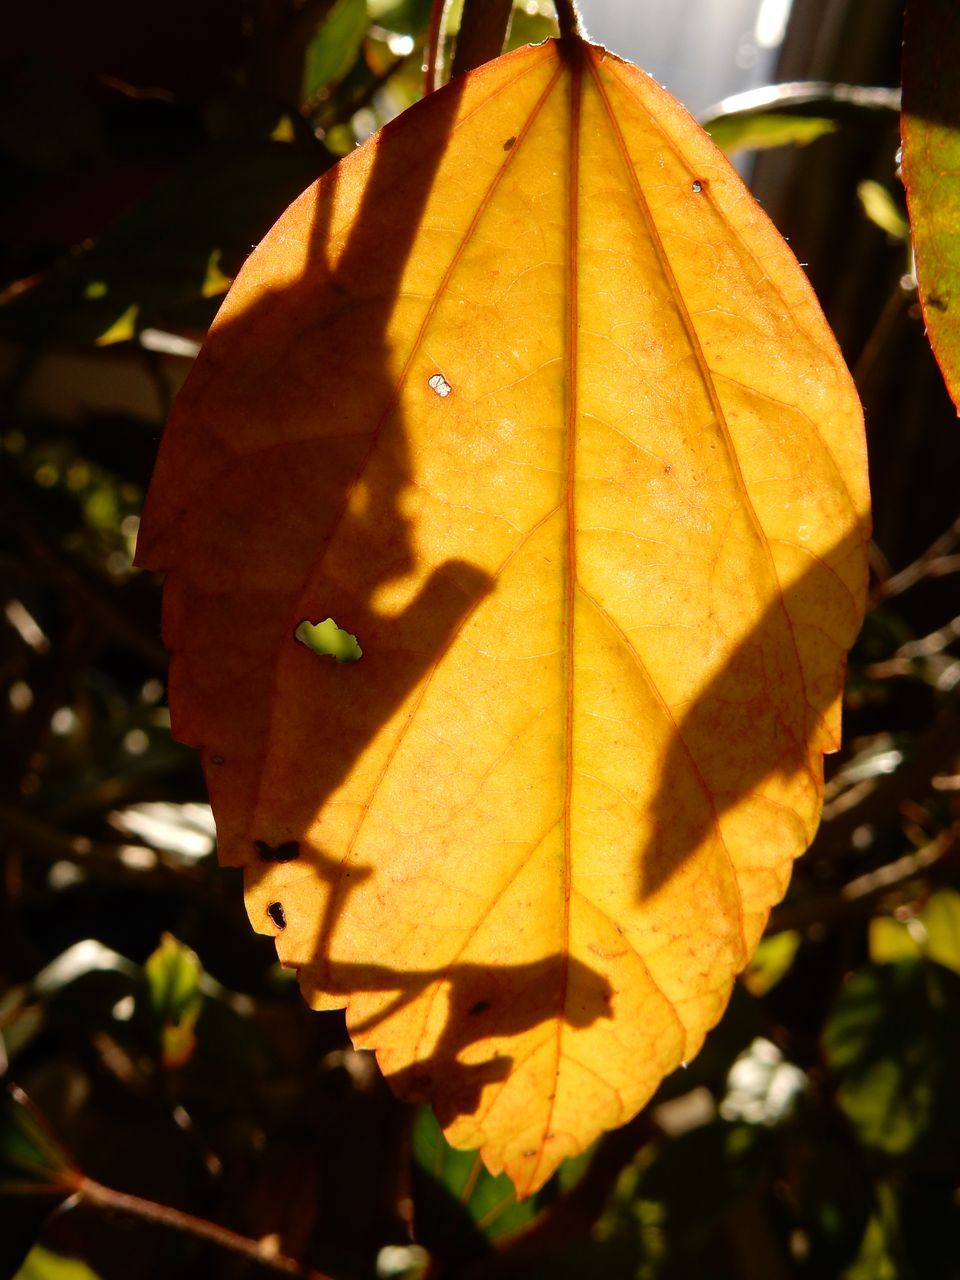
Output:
x=529 y=398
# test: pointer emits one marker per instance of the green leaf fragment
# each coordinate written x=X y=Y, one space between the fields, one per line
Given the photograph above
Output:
x=882 y=210
x=328 y=640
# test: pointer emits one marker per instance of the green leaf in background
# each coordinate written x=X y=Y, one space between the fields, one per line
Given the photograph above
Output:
x=44 y=1264
x=173 y=976
x=664 y=1219
x=762 y=130
x=178 y=246
x=931 y=171
x=893 y=1047
x=459 y=1207
x=36 y=1174
x=933 y=933
x=334 y=48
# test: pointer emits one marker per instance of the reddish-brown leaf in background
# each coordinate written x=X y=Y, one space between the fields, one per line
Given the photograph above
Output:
x=931 y=171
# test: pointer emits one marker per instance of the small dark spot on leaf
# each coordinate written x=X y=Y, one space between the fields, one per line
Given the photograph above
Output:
x=216 y=759
x=480 y=1007
x=285 y=852
x=277 y=914
x=940 y=304
x=698 y=185
x=668 y=469
x=508 y=145
x=528 y=1155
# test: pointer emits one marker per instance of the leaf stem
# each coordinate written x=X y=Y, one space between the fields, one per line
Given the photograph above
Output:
x=568 y=16
x=95 y=1194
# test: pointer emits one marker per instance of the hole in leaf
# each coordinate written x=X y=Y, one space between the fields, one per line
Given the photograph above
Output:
x=285 y=852
x=277 y=914
x=440 y=385
x=328 y=640
x=699 y=184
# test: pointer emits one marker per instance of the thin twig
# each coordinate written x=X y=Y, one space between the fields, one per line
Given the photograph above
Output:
x=433 y=60
x=882 y=333
x=926 y=564
x=94 y=1193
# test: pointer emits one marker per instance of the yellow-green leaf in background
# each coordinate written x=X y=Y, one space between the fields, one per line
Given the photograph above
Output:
x=934 y=932
x=173 y=975
x=761 y=131
x=881 y=208
x=45 y=1264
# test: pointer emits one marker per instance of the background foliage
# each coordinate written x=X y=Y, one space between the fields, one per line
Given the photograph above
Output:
x=170 y=1058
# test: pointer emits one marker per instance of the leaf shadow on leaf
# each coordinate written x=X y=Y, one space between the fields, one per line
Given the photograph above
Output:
x=266 y=369
x=726 y=746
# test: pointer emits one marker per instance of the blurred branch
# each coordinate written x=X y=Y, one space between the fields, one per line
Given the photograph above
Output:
x=95 y=1194
x=144 y=867
x=807 y=97
x=901 y=296
x=482 y=34
x=860 y=894
x=880 y=798
x=903 y=662
x=59 y=567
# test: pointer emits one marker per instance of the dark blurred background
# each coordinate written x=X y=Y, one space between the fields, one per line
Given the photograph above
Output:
x=143 y=151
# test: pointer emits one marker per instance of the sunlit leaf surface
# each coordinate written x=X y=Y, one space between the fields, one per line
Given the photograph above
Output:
x=530 y=397
x=931 y=171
